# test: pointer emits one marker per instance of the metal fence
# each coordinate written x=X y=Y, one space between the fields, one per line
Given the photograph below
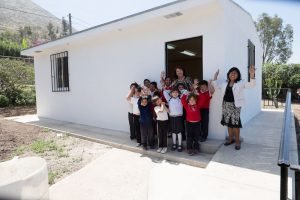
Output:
x=273 y=97
x=284 y=152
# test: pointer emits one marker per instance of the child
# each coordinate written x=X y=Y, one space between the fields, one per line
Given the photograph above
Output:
x=145 y=108
x=133 y=98
x=193 y=119
x=176 y=111
x=153 y=88
x=205 y=91
x=162 y=121
x=130 y=112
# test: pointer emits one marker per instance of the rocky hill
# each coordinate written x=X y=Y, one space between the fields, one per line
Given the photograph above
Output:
x=19 y=13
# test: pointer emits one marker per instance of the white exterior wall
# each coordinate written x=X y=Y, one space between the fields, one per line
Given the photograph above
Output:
x=102 y=68
x=240 y=28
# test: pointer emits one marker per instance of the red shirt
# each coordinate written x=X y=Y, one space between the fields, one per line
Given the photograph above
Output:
x=192 y=112
x=204 y=97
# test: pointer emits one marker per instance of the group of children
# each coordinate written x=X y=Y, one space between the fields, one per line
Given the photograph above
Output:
x=174 y=110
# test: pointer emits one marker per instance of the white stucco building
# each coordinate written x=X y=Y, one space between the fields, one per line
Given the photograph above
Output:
x=88 y=82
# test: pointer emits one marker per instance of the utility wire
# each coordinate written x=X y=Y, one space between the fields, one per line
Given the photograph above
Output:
x=30 y=13
x=78 y=19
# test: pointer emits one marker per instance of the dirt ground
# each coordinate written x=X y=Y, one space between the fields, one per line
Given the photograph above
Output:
x=296 y=109
x=64 y=154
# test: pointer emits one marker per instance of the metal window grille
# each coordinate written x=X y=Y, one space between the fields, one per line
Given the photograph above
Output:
x=60 y=72
x=251 y=56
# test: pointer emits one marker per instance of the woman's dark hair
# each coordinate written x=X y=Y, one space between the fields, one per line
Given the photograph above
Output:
x=178 y=84
x=192 y=95
x=238 y=72
x=179 y=67
x=154 y=83
x=203 y=82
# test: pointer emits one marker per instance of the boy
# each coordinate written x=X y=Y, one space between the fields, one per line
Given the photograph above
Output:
x=130 y=112
x=145 y=108
x=205 y=91
x=133 y=98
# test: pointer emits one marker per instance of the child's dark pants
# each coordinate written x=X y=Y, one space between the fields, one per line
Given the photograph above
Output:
x=193 y=133
x=204 y=122
x=131 y=126
x=163 y=127
x=137 y=130
x=147 y=134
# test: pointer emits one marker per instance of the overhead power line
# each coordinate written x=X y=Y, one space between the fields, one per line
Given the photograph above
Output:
x=13 y=9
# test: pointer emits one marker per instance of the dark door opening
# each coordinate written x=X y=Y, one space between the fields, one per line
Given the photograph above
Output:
x=187 y=54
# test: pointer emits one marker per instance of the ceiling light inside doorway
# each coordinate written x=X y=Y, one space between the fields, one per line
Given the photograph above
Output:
x=171 y=46
x=189 y=53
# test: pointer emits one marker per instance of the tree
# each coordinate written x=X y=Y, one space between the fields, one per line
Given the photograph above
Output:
x=276 y=39
x=65 y=27
x=51 y=31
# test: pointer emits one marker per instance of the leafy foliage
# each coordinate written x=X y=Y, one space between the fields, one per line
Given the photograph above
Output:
x=17 y=80
x=276 y=39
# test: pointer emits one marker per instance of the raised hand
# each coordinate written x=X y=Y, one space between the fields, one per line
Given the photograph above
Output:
x=163 y=75
x=252 y=71
x=216 y=75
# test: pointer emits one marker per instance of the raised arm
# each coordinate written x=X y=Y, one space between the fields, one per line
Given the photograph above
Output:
x=183 y=101
x=211 y=88
x=252 y=82
x=167 y=95
x=130 y=94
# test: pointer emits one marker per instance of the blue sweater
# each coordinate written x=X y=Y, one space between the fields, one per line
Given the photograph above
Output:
x=145 y=112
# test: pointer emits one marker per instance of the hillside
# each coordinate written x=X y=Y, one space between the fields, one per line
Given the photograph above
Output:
x=18 y=13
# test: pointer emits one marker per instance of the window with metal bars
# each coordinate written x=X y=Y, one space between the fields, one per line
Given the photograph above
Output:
x=251 y=56
x=60 y=72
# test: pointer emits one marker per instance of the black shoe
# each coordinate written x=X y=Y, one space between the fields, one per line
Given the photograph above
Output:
x=190 y=152
x=145 y=148
x=195 y=151
x=227 y=143
x=132 y=138
x=152 y=147
x=174 y=147
x=179 y=149
x=202 y=139
x=237 y=147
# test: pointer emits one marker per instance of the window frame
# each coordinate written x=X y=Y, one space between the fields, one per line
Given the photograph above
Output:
x=60 y=72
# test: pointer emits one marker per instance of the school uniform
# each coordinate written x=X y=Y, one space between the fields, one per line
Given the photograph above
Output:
x=136 y=118
x=147 y=136
x=204 y=98
x=193 y=125
x=176 y=111
x=130 y=120
x=162 y=123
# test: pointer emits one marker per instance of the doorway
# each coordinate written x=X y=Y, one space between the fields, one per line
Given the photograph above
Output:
x=186 y=53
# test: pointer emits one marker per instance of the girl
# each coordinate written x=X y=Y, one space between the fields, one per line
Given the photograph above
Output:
x=176 y=111
x=162 y=122
x=193 y=118
x=233 y=101
x=133 y=98
x=145 y=108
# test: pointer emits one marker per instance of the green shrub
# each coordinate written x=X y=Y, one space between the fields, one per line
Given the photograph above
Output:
x=26 y=96
x=4 y=101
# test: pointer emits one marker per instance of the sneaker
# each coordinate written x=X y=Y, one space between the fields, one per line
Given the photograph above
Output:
x=159 y=150
x=164 y=150
x=195 y=151
x=179 y=148
x=190 y=152
x=138 y=144
x=174 y=147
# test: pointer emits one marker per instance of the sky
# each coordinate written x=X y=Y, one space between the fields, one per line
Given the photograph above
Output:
x=90 y=13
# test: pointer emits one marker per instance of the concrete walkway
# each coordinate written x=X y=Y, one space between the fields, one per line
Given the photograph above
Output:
x=251 y=173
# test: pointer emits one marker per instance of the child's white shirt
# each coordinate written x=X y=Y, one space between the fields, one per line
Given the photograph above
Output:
x=175 y=105
x=161 y=116
x=135 y=109
x=130 y=107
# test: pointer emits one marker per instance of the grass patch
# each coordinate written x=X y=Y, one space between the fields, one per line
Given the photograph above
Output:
x=46 y=130
x=41 y=146
x=51 y=177
x=19 y=151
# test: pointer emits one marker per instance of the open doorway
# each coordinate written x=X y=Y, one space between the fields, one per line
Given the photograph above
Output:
x=187 y=54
